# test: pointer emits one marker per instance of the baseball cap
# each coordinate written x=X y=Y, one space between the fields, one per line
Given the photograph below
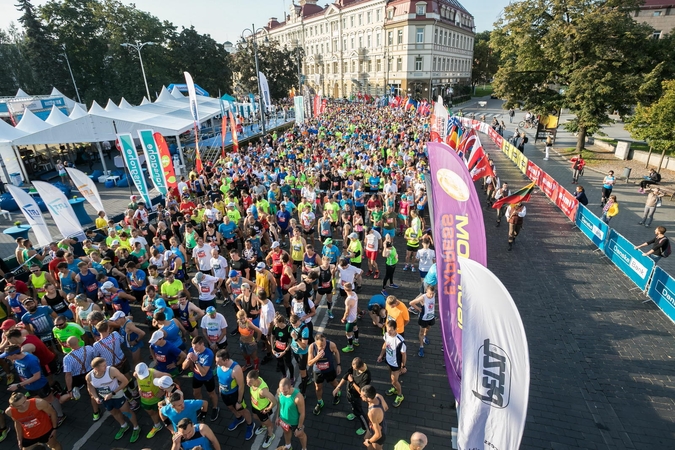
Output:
x=233 y=273
x=107 y=285
x=230 y=205
x=106 y=261
x=353 y=236
x=328 y=241
x=115 y=242
x=118 y=315
x=11 y=350
x=275 y=244
x=142 y=370
x=160 y=303
x=164 y=382
x=156 y=336
x=260 y=266
x=7 y=324
x=168 y=253
x=199 y=277
x=210 y=310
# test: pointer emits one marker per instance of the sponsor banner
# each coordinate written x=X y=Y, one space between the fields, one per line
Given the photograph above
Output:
x=522 y=162
x=595 y=229
x=64 y=216
x=496 y=138
x=267 y=99
x=167 y=161
x=194 y=109
x=633 y=263
x=506 y=147
x=533 y=172
x=233 y=130
x=461 y=232
x=134 y=166
x=299 y=106
x=153 y=161
x=662 y=291
x=548 y=185
x=87 y=188
x=514 y=154
x=496 y=364
x=567 y=203
x=32 y=213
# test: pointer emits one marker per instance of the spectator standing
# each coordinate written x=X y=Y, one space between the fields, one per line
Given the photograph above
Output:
x=610 y=209
x=607 y=186
x=578 y=164
x=653 y=201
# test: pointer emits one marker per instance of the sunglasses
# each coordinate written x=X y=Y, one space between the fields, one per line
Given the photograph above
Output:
x=60 y=325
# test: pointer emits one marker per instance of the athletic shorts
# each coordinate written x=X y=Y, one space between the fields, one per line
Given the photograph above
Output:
x=44 y=392
x=27 y=443
x=349 y=326
x=231 y=400
x=210 y=385
x=248 y=349
x=328 y=377
x=394 y=369
x=324 y=291
x=301 y=360
x=371 y=255
x=386 y=232
x=150 y=407
x=263 y=417
x=381 y=440
x=426 y=323
x=297 y=263
x=114 y=403
x=309 y=232
x=412 y=249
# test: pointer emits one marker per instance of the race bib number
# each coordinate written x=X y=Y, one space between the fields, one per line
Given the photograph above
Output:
x=201 y=254
x=325 y=365
x=205 y=289
x=160 y=358
x=92 y=287
x=147 y=395
x=325 y=284
x=280 y=345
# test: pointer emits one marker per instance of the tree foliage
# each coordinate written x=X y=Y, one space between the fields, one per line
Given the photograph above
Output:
x=278 y=64
x=485 y=59
x=655 y=123
x=589 y=56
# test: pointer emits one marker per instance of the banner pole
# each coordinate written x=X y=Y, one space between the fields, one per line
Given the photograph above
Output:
x=126 y=169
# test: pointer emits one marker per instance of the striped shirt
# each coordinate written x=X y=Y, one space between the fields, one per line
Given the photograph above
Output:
x=110 y=348
x=78 y=362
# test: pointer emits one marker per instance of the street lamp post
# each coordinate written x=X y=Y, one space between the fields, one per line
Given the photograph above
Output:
x=253 y=33
x=138 y=46
x=77 y=92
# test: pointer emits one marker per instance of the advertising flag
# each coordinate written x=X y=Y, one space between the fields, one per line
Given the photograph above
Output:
x=61 y=210
x=461 y=232
x=299 y=106
x=166 y=161
x=87 y=188
x=496 y=363
x=265 y=87
x=31 y=212
x=134 y=165
x=521 y=195
x=194 y=109
x=439 y=121
x=223 y=127
x=233 y=130
x=153 y=161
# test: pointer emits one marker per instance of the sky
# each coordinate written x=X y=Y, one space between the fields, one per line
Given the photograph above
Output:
x=225 y=20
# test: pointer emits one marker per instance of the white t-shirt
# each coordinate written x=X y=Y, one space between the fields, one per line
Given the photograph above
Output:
x=308 y=219
x=214 y=326
x=211 y=215
x=141 y=214
x=267 y=313
x=347 y=274
x=203 y=255
x=391 y=355
x=426 y=257
x=207 y=288
x=298 y=308
x=219 y=266
x=373 y=241
x=140 y=239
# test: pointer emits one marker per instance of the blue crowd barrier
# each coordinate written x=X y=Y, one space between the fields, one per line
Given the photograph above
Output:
x=595 y=229
x=633 y=263
x=662 y=292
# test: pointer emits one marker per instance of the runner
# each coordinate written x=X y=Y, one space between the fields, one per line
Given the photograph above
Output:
x=377 y=406
x=200 y=360
x=169 y=358
x=35 y=421
x=191 y=436
x=280 y=340
x=425 y=307
x=324 y=357
x=394 y=352
x=356 y=378
x=151 y=394
x=263 y=404
x=349 y=318
x=214 y=329
x=300 y=347
x=291 y=413
x=231 y=381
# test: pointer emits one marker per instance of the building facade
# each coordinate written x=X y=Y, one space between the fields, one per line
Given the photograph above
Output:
x=380 y=46
x=660 y=14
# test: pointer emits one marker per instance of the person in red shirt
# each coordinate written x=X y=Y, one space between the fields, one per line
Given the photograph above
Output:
x=52 y=267
x=21 y=287
x=36 y=420
x=187 y=206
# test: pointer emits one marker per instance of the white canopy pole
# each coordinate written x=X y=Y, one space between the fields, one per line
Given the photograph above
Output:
x=180 y=151
x=100 y=153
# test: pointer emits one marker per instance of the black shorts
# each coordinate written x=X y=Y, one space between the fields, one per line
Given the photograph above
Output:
x=324 y=291
x=44 y=392
x=381 y=440
x=297 y=263
x=79 y=381
x=232 y=399
x=50 y=369
x=26 y=443
x=210 y=385
x=309 y=232
x=328 y=377
x=356 y=264
x=412 y=249
x=231 y=245
x=263 y=417
x=394 y=369
x=301 y=360
x=426 y=323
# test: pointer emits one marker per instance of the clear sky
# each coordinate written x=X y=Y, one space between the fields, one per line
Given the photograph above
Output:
x=225 y=20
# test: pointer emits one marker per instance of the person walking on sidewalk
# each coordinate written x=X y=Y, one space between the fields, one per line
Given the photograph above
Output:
x=512 y=113
x=578 y=164
x=660 y=245
x=515 y=214
x=607 y=185
x=653 y=199
x=549 y=145
x=610 y=209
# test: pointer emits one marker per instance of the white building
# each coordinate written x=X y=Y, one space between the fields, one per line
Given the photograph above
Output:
x=377 y=46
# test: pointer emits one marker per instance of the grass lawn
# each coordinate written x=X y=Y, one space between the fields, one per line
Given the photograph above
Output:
x=642 y=146
x=482 y=92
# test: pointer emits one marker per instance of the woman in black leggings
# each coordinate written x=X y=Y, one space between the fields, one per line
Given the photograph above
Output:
x=389 y=252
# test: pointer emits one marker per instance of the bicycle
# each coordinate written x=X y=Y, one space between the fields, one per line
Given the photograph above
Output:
x=532 y=123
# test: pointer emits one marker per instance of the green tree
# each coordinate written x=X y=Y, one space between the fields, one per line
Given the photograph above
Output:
x=655 y=123
x=485 y=60
x=585 y=55
x=15 y=71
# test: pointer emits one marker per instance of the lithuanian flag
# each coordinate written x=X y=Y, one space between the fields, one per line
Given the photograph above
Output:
x=522 y=195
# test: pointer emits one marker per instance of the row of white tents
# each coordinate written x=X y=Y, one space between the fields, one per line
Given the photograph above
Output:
x=169 y=115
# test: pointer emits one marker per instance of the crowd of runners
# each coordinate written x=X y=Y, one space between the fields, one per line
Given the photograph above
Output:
x=147 y=317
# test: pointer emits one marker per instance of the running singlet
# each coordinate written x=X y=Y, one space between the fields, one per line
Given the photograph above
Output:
x=428 y=312
x=326 y=363
x=228 y=384
x=34 y=422
x=258 y=401
x=197 y=440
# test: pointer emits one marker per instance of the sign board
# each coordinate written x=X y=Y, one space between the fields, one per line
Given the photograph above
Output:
x=633 y=263
x=622 y=150
x=662 y=291
x=595 y=229
x=567 y=203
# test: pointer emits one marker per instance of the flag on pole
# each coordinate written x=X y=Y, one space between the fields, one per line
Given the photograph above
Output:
x=87 y=188
x=482 y=169
x=133 y=163
x=223 y=127
x=265 y=87
x=233 y=130
x=153 y=160
x=62 y=211
x=476 y=156
x=521 y=195
x=31 y=212
x=194 y=109
x=167 y=161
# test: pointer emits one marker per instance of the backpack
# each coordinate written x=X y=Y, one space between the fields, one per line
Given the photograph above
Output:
x=667 y=250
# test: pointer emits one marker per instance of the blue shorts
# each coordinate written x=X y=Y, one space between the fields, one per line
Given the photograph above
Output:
x=114 y=403
x=386 y=232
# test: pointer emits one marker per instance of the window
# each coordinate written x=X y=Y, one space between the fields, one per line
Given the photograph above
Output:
x=351 y=21
x=399 y=64
x=390 y=13
x=360 y=41
x=657 y=13
x=360 y=19
x=322 y=49
x=419 y=36
x=399 y=39
x=344 y=45
x=344 y=23
x=327 y=68
x=418 y=63
x=378 y=15
x=378 y=41
x=335 y=45
x=421 y=9
x=378 y=65
x=345 y=67
x=434 y=65
x=369 y=17
x=389 y=65
x=370 y=66
x=390 y=38
x=656 y=34
x=446 y=38
x=369 y=41
x=353 y=66
x=321 y=28
x=352 y=43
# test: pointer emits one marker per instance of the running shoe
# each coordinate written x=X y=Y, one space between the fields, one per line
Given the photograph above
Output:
x=268 y=441
x=360 y=432
x=330 y=314
x=215 y=412
x=250 y=431
x=394 y=286
x=356 y=343
x=154 y=430
x=235 y=423
x=261 y=429
x=383 y=292
x=413 y=311
x=135 y=434
x=96 y=416
x=377 y=274
x=351 y=416
x=76 y=393
x=336 y=398
x=121 y=431
x=398 y=400
x=318 y=408
x=348 y=349
x=426 y=341
x=421 y=352
x=369 y=273
x=392 y=391
x=4 y=433
x=406 y=267
x=60 y=420
x=412 y=269
x=247 y=367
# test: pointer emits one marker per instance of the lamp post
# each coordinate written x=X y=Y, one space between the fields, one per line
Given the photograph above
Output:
x=138 y=46
x=253 y=33
x=77 y=92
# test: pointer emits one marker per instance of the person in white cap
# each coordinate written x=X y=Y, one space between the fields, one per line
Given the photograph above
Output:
x=214 y=329
x=151 y=394
x=132 y=335
x=207 y=285
x=168 y=387
x=168 y=357
x=265 y=280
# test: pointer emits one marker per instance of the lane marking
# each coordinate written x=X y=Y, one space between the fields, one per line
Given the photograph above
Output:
x=92 y=429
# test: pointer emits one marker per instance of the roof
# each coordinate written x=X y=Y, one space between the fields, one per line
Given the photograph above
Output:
x=656 y=4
